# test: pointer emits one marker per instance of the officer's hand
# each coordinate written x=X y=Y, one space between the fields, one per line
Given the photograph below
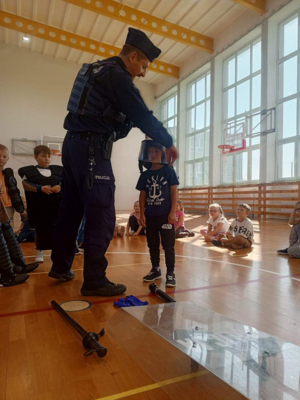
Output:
x=172 y=155
x=1 y=190
x=172 y=218
x=56 y=189
x=143 y=221
x=47 y=189
x=135 y=234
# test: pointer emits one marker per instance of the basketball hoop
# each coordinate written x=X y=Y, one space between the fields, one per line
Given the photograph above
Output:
x=225 y=148
x=56 y=152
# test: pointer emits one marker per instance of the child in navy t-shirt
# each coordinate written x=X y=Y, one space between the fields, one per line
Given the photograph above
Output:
x=158 y=199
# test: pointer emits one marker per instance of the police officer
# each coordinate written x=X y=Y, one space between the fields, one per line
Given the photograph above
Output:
x=104 y=105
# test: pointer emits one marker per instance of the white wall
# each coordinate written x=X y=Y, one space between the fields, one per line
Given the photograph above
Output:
x=33 y=96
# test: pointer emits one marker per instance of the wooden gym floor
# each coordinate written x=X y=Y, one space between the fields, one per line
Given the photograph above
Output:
x=42 y=357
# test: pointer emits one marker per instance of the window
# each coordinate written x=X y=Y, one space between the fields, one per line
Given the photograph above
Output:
x=288 y=94
x=241 y=99
x=197 y=132
x=169 y=115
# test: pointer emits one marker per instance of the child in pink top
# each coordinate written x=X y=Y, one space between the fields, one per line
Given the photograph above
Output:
x=180 y=230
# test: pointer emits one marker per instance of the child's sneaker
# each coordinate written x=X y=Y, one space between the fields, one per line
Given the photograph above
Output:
x=217 y=243
x=39 y=257
x=170 y=281
x=153 y=275
x=283 y=251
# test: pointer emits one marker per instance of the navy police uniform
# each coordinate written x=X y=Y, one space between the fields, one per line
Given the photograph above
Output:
x=103 y=106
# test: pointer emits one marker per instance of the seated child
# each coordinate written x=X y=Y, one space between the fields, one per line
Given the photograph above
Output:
x=42 y=184
x=240 y=234
x=11 y=196
x=158 y=199
x=119 y=230
x=180 y=229
x=217 y=223
x=134 y=227
x=26 y=232
x=294 y=249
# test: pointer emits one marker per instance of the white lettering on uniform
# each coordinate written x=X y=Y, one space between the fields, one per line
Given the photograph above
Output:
x=107 y=178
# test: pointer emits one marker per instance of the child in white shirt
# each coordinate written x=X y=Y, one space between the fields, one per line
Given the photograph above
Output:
x=240 y=233
x=217 y=223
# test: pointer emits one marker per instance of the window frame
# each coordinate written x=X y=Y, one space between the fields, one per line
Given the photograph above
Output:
x=206 y=129
x=281 y=100
x=175 y=116
x=241 y=116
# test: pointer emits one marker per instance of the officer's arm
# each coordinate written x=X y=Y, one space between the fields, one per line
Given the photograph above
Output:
x=133 y=106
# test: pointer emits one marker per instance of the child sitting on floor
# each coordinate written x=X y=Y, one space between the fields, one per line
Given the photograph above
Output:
x=217 y=223
x=180 y=229
x=294 y=249
x=134 y=227
x=240 y=234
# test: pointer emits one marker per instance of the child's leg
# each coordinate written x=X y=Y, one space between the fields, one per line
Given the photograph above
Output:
x=181 y=233
x=153 y=241
x=22 y=236
x=168 y=243
x=121 y=230
x=239 y=242
x=133 y=223
x=294 y=235
x=294 y=250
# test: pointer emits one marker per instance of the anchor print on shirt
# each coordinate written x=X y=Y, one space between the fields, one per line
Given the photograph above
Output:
x=154 y=186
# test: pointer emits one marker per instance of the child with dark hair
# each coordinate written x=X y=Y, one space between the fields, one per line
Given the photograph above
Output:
x=42 y=185
x=158 y=199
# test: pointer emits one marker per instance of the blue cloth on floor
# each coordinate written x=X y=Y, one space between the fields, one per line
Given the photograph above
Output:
x=130 y=301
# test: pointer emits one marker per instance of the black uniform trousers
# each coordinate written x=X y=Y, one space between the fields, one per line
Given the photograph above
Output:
x=96 y=204
x=156 y=227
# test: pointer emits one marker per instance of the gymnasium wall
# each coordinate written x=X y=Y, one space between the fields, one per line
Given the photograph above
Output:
x=34 y=95
x=233 y=33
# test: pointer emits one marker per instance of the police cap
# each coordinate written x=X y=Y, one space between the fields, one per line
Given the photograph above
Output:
x=141 y=41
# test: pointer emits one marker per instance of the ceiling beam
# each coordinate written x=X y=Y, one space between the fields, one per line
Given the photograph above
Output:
x=254 y=5
x=74 y=41
x=144 y=21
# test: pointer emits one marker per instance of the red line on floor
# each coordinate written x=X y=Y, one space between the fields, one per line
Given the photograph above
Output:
x=142 y=296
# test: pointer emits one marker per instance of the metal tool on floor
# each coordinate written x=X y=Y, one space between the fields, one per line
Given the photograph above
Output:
x=90 y=339
x=160 y=293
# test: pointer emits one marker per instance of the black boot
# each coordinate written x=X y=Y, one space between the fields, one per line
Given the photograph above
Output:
x=8 y=278
x=15 y=251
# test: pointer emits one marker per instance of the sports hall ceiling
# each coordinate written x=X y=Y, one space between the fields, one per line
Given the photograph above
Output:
x=100 y=27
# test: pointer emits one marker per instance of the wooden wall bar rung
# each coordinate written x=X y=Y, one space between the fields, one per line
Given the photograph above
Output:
x=257 y=196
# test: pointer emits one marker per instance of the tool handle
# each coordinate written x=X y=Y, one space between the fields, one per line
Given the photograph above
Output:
x=160 y=293
x=90 y=343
